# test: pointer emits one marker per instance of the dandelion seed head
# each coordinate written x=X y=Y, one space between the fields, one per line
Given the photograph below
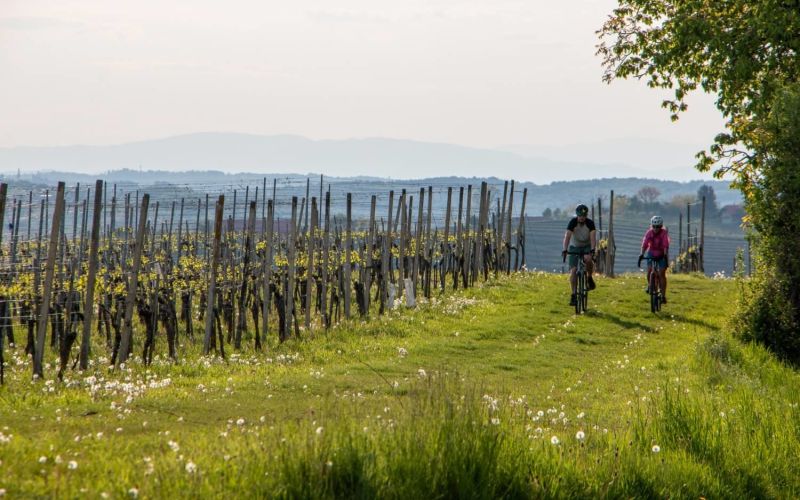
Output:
x=656 y=448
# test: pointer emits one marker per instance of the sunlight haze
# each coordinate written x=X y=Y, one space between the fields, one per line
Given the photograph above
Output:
x=472 y=73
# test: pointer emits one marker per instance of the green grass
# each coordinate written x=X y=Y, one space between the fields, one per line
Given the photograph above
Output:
x=441 y=401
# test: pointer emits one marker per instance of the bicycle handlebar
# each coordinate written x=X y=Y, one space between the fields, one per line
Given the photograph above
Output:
x=650 y=260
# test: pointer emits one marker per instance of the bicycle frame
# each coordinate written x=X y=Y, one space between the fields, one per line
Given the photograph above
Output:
x=581 y=288
x=654 y=284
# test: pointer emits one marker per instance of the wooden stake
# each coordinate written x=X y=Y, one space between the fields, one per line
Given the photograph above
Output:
x=133 y=283
x=348 y=244
x=212 y=279
x=418 y=240
x=44 y=311
x=508 y=228
x=325 y=262
x=310 y=264
x=267 y=268
x=88 y=308
x=291 y=248
x=446 y=245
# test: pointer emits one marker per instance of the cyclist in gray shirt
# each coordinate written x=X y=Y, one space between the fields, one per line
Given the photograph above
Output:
x=581 y=236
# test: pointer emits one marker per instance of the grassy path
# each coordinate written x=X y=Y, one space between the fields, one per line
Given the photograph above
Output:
x=512 y=345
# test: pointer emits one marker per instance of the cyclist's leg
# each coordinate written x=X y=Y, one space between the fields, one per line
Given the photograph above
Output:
x=573 y=281
x=573 y=275
x=573 y=266
x=648 y=270
x=663 y=278
x=650 y=276
x=587 y=259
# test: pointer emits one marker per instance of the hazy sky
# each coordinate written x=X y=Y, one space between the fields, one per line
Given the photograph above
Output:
x=476 y=73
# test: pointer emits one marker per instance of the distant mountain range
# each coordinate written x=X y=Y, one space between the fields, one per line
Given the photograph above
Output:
x=662 y=159
x=369 y=157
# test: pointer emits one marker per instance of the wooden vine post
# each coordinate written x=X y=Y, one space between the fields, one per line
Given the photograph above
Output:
x=212 y=277
x=44 y=311
x=88 y=308
x=133 y=283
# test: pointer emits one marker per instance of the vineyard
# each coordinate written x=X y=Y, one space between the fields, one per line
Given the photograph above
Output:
x=115 y=273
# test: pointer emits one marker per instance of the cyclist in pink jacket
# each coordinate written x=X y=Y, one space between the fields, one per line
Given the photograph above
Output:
x=655 y=246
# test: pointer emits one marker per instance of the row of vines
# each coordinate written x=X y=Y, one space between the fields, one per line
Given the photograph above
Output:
x=117 y=284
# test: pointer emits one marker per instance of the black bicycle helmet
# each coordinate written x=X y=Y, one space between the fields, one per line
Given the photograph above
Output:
x=581 y=210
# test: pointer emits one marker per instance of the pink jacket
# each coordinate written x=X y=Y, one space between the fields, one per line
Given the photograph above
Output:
x=656 y=244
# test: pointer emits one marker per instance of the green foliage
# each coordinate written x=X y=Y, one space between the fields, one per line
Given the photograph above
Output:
x=770 y=311
x=712 y=207
x=745 y=52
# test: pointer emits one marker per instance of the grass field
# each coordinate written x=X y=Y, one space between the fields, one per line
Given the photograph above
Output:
x=497 y=391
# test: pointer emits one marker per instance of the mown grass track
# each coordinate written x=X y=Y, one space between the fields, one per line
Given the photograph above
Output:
x=462 y=398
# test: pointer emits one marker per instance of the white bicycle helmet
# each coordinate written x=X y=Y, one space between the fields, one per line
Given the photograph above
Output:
x=657 y=221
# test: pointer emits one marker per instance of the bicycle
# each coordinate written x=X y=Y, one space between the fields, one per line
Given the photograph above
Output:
x=581 y=286
x=656 y=297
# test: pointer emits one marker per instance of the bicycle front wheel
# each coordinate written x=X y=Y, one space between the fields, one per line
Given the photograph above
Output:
x=585 y=300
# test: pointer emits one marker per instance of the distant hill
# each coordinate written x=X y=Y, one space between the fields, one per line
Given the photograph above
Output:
x=663 y=159
x=371 y=157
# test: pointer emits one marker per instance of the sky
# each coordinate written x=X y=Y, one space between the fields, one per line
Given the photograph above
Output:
x=474 y=73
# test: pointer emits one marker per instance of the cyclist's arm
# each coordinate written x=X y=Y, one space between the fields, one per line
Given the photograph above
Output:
x=645 y=243
x=593 y=239
x=567 y=237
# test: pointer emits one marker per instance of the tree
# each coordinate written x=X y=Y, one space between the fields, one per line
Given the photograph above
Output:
x=547 y=213
x=746 y=53
x=679 y=201
x=743 y=51
x=771 y=312
x=648 y=194
x=712 y=207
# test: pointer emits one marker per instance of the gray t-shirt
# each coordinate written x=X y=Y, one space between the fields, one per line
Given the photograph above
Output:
x=580 y=232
